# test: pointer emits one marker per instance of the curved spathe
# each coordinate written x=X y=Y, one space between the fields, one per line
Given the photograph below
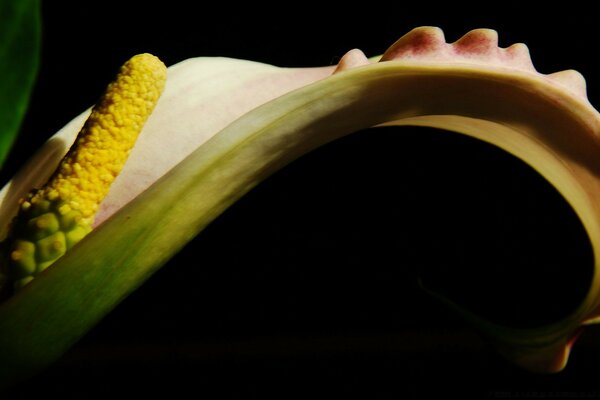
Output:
x=471 y=86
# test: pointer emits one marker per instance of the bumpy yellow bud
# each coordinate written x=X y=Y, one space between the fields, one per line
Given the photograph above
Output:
x=54 y=218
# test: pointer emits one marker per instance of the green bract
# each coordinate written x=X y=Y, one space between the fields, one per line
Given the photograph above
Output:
x=472 y=87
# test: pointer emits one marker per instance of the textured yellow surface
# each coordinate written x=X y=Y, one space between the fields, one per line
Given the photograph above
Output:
x=87 y=171
x=55 y=217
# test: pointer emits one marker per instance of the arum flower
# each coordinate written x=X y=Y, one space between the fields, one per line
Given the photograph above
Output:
x=223 y=125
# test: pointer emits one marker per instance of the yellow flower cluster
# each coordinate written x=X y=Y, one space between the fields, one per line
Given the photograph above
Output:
x=54 y=218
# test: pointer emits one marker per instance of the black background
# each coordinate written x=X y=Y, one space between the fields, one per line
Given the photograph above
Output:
x=308 y=286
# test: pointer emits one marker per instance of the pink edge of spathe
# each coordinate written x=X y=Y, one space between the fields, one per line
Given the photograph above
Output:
x=477 y=47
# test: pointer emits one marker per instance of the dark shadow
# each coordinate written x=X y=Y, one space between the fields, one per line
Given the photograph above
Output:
x=311 y=280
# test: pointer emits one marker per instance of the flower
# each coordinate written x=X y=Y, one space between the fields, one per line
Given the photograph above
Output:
x=231 y=123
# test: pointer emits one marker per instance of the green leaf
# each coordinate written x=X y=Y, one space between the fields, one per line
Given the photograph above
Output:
x=20 y=31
